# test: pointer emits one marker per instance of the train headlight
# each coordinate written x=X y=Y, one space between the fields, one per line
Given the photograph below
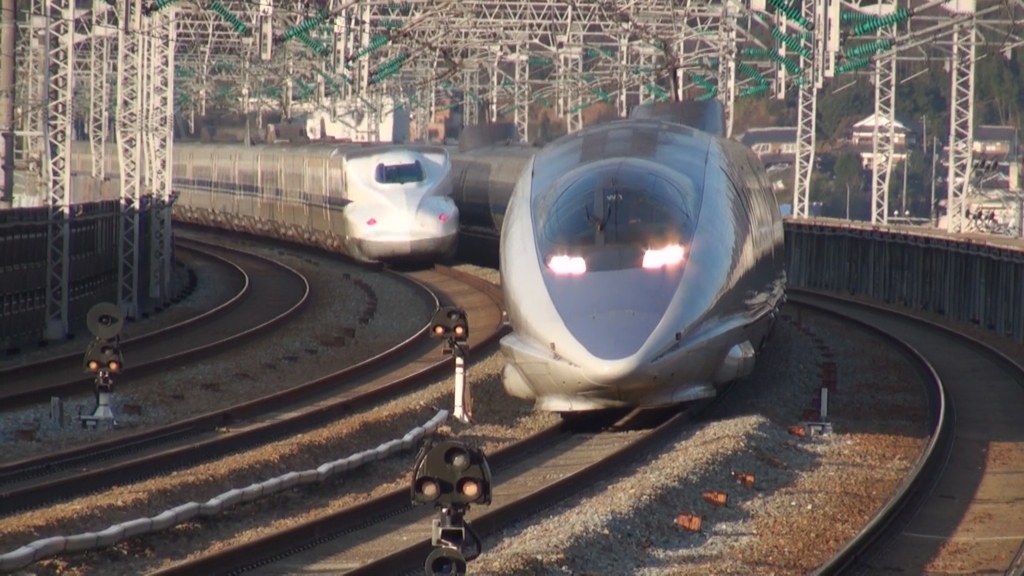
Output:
x=567 y=265
x=443 y=217
x=371 y=222
x=667 y=256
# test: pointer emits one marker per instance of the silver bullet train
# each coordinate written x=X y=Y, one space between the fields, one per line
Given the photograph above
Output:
x=641 y=262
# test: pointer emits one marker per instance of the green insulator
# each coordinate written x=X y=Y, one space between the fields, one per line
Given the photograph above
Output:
x=313 y=45
x=869 y=48
x=656 y=91
x=854 y=17
x=701 y=81
x=851 y=65
x=755 y=53
x=754 y=91
x=161 y=4
x=749 y=71
x=707 y=96
x=542 y=102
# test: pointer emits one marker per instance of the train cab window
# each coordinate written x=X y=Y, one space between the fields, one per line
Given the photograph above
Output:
x=400 y=173
x=612 y=216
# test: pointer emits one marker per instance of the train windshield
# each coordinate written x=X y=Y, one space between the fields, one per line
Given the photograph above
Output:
x=400 y=173
x=615 y=217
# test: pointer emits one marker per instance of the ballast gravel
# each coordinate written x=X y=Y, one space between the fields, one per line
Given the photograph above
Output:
x=809 y=497
x=500 y=422
x=309 y=346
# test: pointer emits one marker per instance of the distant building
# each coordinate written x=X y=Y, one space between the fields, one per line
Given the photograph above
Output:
x=862 y=135
x=772 y=145
x=995 y=143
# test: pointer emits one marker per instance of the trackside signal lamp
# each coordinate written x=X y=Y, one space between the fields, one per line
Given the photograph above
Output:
x=103 y=355
x=103 y=358
x=451 y=476
x=450 y=322
x=451 y=473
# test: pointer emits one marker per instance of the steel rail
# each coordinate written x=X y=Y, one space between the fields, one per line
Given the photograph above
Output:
x=929 y=460
x=968 y=425
x=26 y=395
x=10 y=373
x=274 y=425
x=261 y=552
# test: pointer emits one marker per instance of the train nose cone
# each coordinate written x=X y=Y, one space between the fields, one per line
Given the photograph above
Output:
x=614 y=334
x=612 y=314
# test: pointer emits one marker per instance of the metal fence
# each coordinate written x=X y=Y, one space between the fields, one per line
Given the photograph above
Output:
x=93 y=266
x=964 y=279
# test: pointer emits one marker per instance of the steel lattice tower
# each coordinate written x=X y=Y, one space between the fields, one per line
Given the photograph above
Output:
x=961 y=123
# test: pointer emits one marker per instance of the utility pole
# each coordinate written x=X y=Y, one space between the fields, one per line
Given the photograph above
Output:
x=8 y=31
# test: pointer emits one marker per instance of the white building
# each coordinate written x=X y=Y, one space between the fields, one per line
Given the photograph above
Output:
x=351 y=123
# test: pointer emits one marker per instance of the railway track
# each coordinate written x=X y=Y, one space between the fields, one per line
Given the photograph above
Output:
x=387 y=535
x=374 y=537
x=99 y=466
x=947 y=492
x=268 y=294
x=962 y=509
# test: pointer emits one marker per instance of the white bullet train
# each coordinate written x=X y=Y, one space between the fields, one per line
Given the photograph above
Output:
x=394 y=201
x=384 y=201
x=641 y=263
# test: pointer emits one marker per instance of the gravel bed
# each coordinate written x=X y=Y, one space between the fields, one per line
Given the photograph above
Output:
x=305 y=348
x=210 y=291
x=606 y=530
x=810 y=496
x=500 y=421
x=489 y=274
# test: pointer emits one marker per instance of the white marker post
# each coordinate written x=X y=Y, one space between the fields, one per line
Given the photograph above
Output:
x=463 y=400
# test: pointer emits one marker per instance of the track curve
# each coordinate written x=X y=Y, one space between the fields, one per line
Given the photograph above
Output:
x=967 y=516
x=271 y=293
x=36 y=482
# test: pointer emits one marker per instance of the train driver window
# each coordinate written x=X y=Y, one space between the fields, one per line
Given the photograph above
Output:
x=400 y=173
x=613 y=214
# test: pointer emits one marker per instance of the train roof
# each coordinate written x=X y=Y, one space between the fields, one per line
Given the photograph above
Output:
x=315 y=150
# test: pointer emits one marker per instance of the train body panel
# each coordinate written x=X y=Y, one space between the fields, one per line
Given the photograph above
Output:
x=641 y=264
x=383 y=202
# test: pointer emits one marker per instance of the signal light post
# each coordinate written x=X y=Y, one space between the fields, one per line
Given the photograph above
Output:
x=451 y=476
x=451 y=323
x=103 y=358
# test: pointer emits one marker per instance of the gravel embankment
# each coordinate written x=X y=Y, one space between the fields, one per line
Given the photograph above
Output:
x=210 y=292
x=307 y=347
x=809 y=496
x=500 y=421
x=826 y=487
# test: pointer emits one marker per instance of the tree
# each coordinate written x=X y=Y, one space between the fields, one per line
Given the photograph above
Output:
x=837 y=109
